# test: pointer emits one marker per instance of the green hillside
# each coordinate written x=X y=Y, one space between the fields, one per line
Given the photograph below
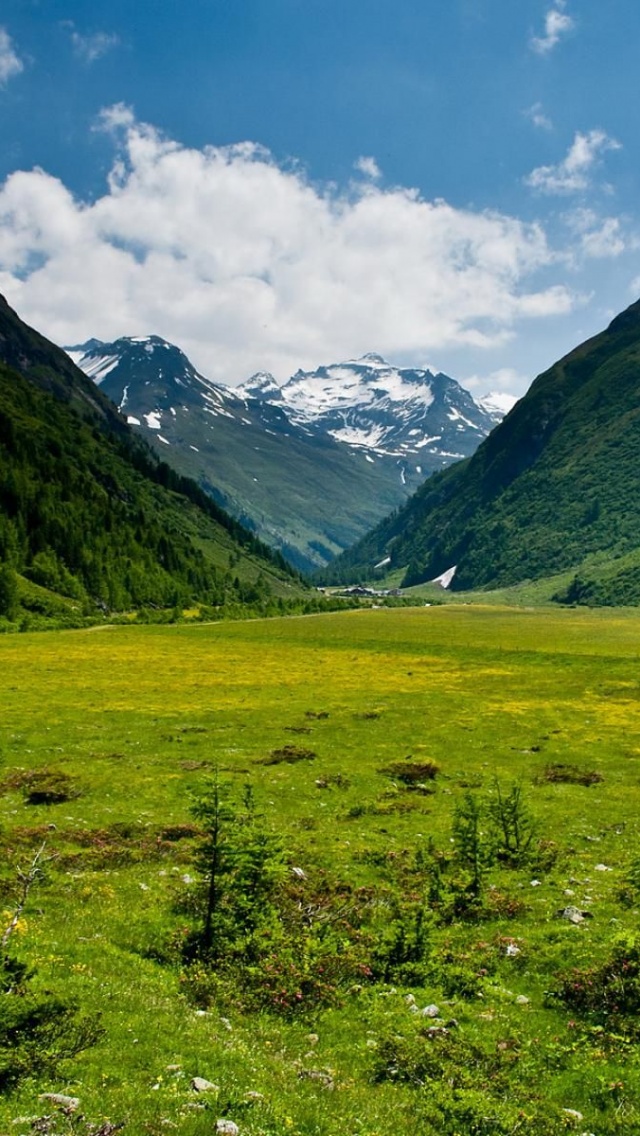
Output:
x=87 y=512
x=556 y=482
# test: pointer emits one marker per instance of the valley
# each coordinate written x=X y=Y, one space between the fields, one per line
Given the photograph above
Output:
x=311 y=465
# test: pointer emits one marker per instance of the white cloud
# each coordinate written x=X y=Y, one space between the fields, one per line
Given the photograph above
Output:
x=112 y=118
x=537 y=116
x=369 y=167
x=573 y=173
x=93 y=46
x=505 y=379
x=599 y=237
x=556 y=25
x=10 y=63
x=249 y=266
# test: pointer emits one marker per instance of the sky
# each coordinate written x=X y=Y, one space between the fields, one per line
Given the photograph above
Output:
x=275 y=184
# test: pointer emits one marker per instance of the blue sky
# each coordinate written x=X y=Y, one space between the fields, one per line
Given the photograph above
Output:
x=282 y=183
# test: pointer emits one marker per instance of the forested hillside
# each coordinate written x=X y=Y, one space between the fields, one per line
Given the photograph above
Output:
x=556 y=482
x=89 y=513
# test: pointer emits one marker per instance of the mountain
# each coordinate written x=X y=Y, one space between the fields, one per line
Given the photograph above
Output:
x=311 y=465
x=418 y=419
x=555 y=486
x=87 y=511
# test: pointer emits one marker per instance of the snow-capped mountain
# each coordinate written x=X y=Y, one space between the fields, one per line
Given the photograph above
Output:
x=420 y=419
x=153 y=370
x=311 y=464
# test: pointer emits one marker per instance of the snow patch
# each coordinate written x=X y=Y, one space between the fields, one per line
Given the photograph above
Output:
x=445 y=579
x=133 y=421
x=427 y=441
x=352 y=436
x=96 y=368
x=152 y=419
x=161 y=439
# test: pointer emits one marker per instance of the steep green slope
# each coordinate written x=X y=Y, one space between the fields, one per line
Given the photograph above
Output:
x=50 y=369
x=555 y=482
x=87 y=511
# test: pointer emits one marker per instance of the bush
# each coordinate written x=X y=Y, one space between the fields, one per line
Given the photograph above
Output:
x=411 y=773
x=513 y=825
x=610 y=991
x=571 y=775
x=49 y=787
x=37 y=1032
x=288 y=755
x=401 y=953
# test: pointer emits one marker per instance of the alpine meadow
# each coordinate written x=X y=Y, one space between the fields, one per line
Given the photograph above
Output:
x=422 y=830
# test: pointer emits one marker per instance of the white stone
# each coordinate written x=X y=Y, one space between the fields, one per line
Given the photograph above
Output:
x=227 y=1128
x=431 y=1011
x=201 y=1085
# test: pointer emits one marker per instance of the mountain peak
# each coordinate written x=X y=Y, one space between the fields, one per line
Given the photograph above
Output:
x=262 y=386
x=372 y=359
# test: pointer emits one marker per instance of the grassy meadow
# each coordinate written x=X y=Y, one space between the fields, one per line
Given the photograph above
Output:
x=536 y=1024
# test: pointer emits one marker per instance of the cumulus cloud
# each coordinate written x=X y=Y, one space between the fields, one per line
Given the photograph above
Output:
x=10 y=63
x=249 y=266
x=93 y=46
x=573 y=173
x=556 y=26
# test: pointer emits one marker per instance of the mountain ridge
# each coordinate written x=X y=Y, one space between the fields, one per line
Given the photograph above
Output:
x=306 y=465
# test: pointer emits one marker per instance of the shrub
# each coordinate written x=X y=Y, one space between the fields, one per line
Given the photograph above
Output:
x=411 y=773
x=570 y=775
x=610 y=991
x=513 y=825
x=240 y=866
x=289 y=755
x=37 y=1033
x=402 y=950
x=473 y=847
x=49 y=787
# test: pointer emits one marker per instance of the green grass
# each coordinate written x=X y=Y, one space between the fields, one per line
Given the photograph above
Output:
x=137 y=717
